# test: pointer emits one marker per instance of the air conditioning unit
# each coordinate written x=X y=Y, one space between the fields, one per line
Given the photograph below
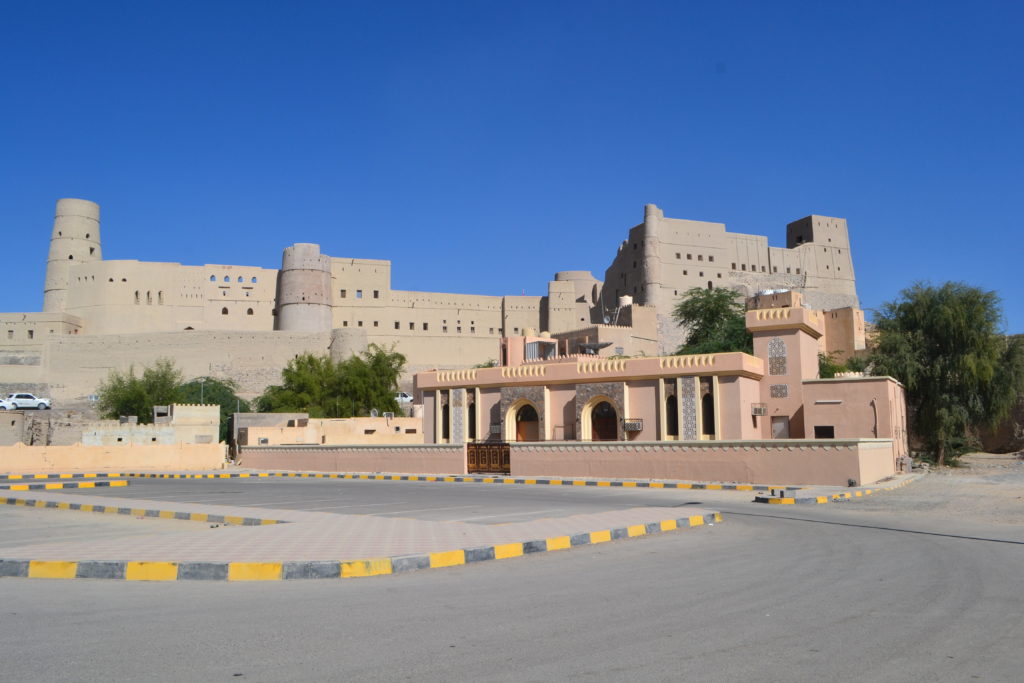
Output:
x=758 y=409
x=633 y=424
x=389 y=415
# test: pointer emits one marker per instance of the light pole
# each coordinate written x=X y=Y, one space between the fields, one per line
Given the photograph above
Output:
x=202 y=384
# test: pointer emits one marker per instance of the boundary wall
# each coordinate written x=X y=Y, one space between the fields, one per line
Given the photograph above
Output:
x=781 y=461
x=128 y=458
x=404 y=459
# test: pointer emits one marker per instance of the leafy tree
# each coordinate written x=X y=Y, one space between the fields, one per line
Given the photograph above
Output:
x=318 y=386
x=945 y=344
x=715 y=322
x=222 y=392
x=829 y=367
x=490 y=363
x=124 y=393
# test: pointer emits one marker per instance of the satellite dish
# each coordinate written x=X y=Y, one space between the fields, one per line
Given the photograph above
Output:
x=373 y=412
x=607 y=320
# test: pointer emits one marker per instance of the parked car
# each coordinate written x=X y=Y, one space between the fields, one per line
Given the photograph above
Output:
x=403 y=398
x=27 y=401
x=5 y=404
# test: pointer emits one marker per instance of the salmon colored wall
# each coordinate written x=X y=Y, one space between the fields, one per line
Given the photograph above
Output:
x=127 y=458
x=643 y=403
x=562 y=413
x=790 y=461
x=736 y=394
x=490 y=400
x=399 y=459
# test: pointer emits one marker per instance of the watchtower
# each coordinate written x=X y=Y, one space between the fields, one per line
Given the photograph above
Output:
x=75 y=239
x=304 y=290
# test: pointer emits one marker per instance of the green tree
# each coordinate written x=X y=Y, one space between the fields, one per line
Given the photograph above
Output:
x=945 y=344
x=316 y=385
x=829 y=367
x=715 y=322
x=222 y=392
x=124 y=393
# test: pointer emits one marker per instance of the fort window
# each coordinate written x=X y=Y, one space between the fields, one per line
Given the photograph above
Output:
x=490 y=330
x=797 y=271
x=71 y=257
x=149 y=298
x=686 y=272
x=136 y=296
x=762 y=269
x=375 y=323
x=710 y=285
x=227 y=279
x=711 y=258
x=110 y=279
x=787 y=270
x=253 y=280
x=743 y=266
x=398 y=325
x=31 y=334
x=472 y=330
x=241 y=279
x=734 y=266
x=248 y=311
x=678 y=255
x=359 y=294
x=444 y=329
x=224 y=311
x=459 y=330
x=342 y=293
x=376 y=294
x=689 y=257
x=359 y=323
x=719 y=276
x=515 y=330
x=213 y=278
x=775 y=269
x=92 y=250
x=701 y=274
x=10 y=334
x=86 y=235
x=412 y=326
x=344 y=323
x=700 y=257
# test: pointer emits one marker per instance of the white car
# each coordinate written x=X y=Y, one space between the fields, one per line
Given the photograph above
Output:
x=27 y=401
x=5 y=404
x=403 y=398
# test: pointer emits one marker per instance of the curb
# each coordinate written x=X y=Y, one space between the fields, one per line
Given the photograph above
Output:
x=64 y=485
x=140 y=512
x=832 y=498
x=472 y=480
x=76 y=475
x=278 y=571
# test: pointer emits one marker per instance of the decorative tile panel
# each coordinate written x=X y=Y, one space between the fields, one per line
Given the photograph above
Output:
x=779 y=390
x=776 y=356
x=689 y=404
x=458 y=401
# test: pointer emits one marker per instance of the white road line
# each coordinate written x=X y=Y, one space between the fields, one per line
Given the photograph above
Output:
x=513 y=514
x=335 y=507
x=403 y=512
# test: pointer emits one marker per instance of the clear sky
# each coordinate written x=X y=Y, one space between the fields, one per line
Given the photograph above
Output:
x=482 y=146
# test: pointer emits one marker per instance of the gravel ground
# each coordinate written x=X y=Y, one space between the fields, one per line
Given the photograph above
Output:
x=986 y=487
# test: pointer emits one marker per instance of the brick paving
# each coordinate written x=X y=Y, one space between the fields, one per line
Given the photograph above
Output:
x=315 y=535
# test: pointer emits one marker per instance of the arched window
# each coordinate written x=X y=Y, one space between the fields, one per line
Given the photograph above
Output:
x=227 y=279
x=472 y=421
x=224 y=311
x=248 y=311
x=445 y=423
x=149 y=298
x=136 y=296
x=71 y=257
x=707 y=415
x=672 y=416
x=213 y=278
x=160 y=298
x=253 y=280
x=241 y=279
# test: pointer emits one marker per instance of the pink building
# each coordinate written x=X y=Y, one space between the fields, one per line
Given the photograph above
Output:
x=762 y=418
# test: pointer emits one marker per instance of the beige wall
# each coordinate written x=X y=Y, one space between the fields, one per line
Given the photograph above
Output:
x=859 y=406
x=187 y=423
x=77 y=458
x=357 y=430
x=794 y=461
x=422 y=459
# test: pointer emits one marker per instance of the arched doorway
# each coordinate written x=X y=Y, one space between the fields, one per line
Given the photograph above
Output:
x=707 y=416
x=446 y=433
x=527 y=423
x=471 y=431
x=672 y=417
x=604 y=423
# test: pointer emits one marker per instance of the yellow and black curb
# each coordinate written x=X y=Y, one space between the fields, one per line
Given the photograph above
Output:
x=53 y=486
x=832 y=497
x=468 y=480
x=278 y=571
x=75 y=475
x=141 y=512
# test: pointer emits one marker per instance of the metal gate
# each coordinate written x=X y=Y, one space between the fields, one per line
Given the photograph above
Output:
x=489 y=457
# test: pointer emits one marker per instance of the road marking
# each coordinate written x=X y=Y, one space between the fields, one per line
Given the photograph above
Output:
x=404 y=512
x=360 y=505
x=511 y=514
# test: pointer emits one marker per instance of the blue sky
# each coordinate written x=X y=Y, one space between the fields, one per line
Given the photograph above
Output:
x=482 y=146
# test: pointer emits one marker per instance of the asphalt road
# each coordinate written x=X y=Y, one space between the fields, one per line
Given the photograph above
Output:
x=464 y=502
x=772 y=593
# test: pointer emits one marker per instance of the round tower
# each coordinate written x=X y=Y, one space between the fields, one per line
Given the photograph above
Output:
x=304 y=290
x=75 y=239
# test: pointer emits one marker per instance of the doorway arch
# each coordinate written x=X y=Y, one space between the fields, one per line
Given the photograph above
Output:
x=522 y=422
x=599 y=420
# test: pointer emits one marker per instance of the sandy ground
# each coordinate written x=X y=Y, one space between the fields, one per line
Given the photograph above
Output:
x=986 y=487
